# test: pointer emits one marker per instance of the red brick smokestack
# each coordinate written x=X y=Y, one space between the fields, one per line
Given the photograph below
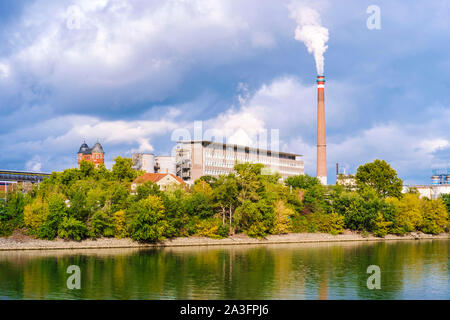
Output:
x=321 y=134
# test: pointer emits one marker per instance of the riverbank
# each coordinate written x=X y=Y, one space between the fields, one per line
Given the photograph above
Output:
x=19 y=241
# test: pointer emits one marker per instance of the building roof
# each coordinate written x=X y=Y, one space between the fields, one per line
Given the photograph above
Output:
x=84 y=149
x=97 y=148
x=230 y=145
x=155 y=177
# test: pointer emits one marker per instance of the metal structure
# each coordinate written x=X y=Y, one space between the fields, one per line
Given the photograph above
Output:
x=440 y=176
x=8 y=178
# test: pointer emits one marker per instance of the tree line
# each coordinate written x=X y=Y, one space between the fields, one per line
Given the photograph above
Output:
x=92 y=202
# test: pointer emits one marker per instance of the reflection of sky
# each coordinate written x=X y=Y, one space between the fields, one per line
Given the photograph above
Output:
x=131 y=73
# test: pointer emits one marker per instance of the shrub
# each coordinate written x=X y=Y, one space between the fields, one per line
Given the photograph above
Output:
x=72 y=228
x=120 y=226
x=331 y=223
x=208 y=228
x=283 y=218
x=223 y=231
x=382 y=226
x=56 y=213
x=301 y=224
x=101 y=225
x=35 y=214
x=15 y=207
x=149 y=224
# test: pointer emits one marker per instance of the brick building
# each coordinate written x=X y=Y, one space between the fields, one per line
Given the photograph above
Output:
x=96 y=155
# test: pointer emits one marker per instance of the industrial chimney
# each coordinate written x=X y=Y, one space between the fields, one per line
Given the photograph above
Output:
x=321 y=134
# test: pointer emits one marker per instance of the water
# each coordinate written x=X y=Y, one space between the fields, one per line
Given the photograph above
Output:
x=409 y=270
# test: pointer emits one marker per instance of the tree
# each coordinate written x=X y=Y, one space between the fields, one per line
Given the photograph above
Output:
x=101 y=173
x=56 y=213
x=87 y=169
x=446 y=198
x=35 y=214
x=283 y=218
x=120 y=226
x=248 y=179
x=225 y=195
x=380 y=176
x=123 y=169
x=408 y=213
x=211 y=180
x=150 y=224
x=435 y=216
x=72 y=228
x=146 y=189
x=199 y=205
x=303 y=181
x=201 y=186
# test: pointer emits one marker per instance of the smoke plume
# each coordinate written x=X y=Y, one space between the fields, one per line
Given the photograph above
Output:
x=310 y=31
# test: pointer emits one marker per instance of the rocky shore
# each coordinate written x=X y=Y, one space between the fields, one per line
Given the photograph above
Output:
x=19 y=241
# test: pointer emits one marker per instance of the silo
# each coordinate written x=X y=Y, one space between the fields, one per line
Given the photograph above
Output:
x=435 y=179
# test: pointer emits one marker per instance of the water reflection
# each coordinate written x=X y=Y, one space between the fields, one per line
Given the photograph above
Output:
x=410 y=270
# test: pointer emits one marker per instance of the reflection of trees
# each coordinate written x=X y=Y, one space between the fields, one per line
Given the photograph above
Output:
x=291 y=271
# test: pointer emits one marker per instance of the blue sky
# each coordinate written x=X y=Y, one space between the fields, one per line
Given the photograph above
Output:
x=134 y=73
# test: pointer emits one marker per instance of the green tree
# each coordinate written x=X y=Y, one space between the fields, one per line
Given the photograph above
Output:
x=435 y=216
x=16 y=202
x=87 y=169
x=35 y=214
x=56 y=213
x=380 y=176
x=225 y=195
x=408 y=213
x=283 y=218
x=73 y=229
x=211 y=180
x=146 y=189
x=303 y=181
x=101 y=173
x=123 y=169
x=150 y=223
x=102 y=224
x=446 y=198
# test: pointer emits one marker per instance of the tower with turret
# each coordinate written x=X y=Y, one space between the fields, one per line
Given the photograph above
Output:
x=96 y=155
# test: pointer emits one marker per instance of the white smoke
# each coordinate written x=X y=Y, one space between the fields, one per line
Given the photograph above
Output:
x=311 y=32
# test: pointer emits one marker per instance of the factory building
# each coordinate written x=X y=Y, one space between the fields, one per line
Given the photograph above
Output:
x=150 y=163
x=440 y=184
x=198 y=158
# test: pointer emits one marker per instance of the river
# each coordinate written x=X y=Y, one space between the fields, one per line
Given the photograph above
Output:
x=409 y=270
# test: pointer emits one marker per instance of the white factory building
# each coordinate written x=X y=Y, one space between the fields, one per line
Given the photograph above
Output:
x=440 y=184
x=198 y=158
x=150 y=163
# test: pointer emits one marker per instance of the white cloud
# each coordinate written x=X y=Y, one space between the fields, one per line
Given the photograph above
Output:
x=4 y=71
x=34 y=164
x=87 y=47
x=53 y=139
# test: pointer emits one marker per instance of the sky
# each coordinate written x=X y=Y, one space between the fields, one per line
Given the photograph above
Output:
x=136 y=75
